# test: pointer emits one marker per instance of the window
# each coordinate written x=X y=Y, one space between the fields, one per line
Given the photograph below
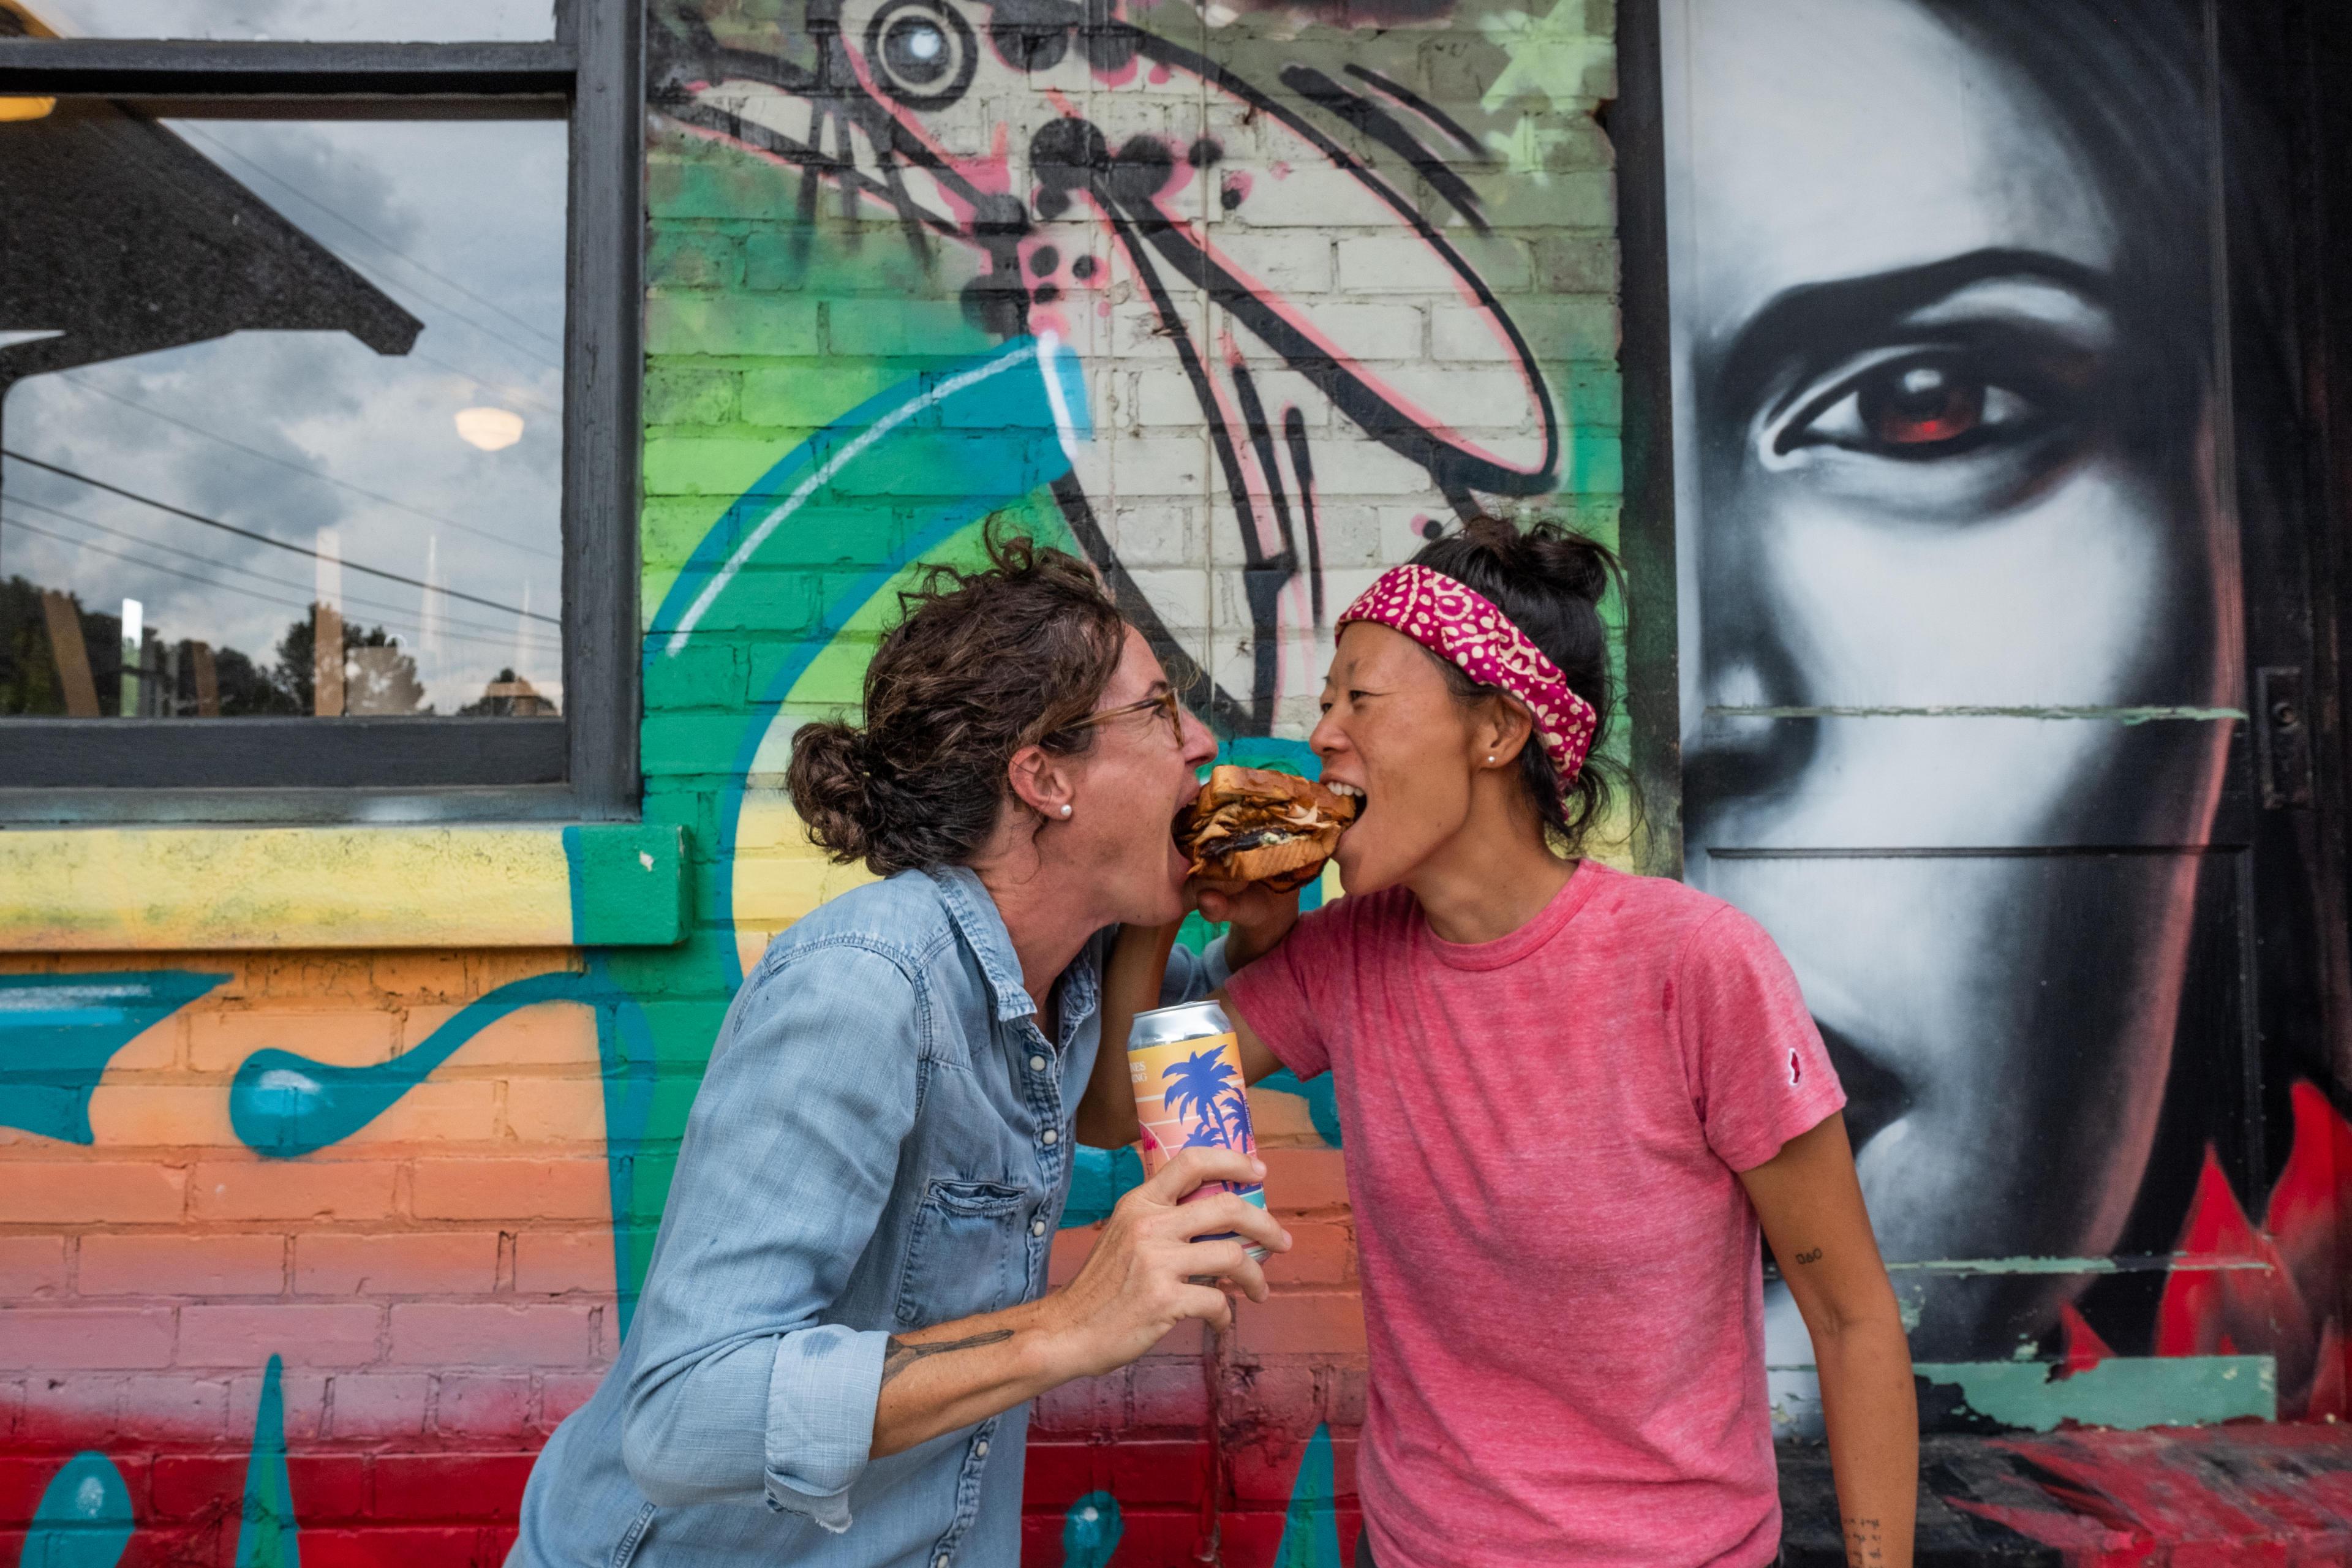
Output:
x=317 y=402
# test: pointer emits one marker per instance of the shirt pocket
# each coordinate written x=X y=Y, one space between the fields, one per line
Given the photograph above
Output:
x=967 y=1254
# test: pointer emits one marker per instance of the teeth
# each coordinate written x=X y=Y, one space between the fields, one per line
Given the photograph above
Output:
x=1347 y=789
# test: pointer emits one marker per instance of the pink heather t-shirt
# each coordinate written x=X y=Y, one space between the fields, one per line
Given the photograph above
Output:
x=1562 y=1279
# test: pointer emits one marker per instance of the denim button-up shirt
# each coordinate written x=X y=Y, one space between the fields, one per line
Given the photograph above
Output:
x=882 y=1142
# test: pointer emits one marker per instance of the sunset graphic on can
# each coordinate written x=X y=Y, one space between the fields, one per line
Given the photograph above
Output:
x=1189 y=1094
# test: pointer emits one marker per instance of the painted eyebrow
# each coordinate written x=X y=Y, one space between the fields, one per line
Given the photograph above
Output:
x=1818 y=322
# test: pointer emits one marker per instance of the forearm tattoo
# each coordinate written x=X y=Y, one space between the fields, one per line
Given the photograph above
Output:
x=1865 y=1544
x=899 y=1356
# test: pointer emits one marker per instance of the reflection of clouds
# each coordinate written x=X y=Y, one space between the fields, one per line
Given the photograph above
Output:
x=482 y=203
x=411 y=21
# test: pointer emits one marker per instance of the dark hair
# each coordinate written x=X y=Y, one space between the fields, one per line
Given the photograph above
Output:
x=980 y=665
x=1550 y=580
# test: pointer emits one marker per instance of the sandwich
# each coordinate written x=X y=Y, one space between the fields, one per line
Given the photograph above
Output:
x=1248 y=825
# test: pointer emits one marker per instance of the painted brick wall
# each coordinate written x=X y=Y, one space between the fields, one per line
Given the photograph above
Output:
x=785 y=322
x=409 y=1312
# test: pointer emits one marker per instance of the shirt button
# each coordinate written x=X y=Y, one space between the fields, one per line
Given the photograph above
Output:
x=980 y=1450
x=940 y=1560
x=1036 y=1064
x=1049 y=1137
x=1036 y=1228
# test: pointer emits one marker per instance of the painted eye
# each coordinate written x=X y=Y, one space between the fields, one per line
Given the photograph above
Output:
x=922 y=52
x=1916 y=408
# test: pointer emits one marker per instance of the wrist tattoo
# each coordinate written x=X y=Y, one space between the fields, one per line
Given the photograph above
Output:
x=1865 y=1544
x=899 y=1356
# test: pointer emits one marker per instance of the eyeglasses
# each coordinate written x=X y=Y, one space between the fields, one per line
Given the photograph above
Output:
x=1166 y=702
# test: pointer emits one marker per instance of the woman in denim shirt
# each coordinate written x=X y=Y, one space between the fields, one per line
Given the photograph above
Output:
x=845 y=1314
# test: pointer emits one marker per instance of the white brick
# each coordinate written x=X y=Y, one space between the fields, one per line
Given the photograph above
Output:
x=1181 y=594
x=1144 y=466
x=1159 y=534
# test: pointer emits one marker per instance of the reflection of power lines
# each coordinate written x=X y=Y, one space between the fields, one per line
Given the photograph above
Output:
x=272 y=541
x=18 y=522
x=502 y=388
x=154 y=413
x=309 y=200
x=495 y=634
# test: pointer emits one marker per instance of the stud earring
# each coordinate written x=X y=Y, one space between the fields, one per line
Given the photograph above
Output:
x=1490 y=759
x=1066 y=811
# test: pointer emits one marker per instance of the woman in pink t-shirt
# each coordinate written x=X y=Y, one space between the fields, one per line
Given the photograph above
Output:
x=1571 y=1096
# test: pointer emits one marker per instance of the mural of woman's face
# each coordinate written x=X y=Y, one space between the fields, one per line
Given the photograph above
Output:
x=1916 y=474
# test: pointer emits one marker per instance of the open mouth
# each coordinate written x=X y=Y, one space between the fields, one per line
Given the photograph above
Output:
x=1874 y=1097
x=1352 y=791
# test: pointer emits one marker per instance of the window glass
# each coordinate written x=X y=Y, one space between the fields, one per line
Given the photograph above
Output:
x=308 y=21
x=273 y=391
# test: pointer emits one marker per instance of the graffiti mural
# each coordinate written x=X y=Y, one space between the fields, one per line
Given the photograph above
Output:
x=307 y=1242
x=1141 y=211
x=1963 y=628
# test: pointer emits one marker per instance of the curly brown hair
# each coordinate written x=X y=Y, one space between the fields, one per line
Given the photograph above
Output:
x=980 y=665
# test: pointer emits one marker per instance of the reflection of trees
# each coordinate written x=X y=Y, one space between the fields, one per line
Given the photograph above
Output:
x=30 y=684
x=508 y=697
x=378 y=677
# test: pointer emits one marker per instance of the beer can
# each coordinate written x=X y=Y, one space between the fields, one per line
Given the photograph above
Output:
x=1186 y=1064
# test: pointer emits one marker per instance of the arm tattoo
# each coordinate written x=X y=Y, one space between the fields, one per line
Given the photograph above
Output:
x=1865 y=1545
x=1812 y=1257
x=899 y=1355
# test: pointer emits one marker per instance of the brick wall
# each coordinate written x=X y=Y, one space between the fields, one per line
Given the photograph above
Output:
x=429 y=1296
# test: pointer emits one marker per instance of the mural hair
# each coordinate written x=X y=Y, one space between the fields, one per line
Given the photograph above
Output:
x=1550 y=580
x=981 y=664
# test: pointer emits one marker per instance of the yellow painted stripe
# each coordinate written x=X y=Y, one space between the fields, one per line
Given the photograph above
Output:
x=118 y=889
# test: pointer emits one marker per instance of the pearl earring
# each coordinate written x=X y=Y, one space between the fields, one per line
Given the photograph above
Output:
x=1490 y=759
x=1066 y=811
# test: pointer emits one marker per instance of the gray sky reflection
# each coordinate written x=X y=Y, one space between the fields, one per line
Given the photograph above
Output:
x=291 y=433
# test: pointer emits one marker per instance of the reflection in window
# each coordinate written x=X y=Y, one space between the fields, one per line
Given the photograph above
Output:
x=306 y=21
x=281 y=403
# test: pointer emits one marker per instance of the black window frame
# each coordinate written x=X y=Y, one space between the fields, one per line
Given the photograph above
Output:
x=581 y=767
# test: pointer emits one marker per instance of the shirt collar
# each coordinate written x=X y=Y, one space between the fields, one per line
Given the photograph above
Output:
x=976 y=917
x=983 y=931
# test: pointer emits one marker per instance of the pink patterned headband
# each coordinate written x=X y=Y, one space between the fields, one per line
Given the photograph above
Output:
x=1455 y=622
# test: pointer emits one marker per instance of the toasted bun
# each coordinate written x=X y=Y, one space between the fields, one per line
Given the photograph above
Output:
x=1228 y=784
x=1270 y=860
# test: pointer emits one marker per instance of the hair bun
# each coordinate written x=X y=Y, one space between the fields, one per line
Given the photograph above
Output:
x=827 y=779
x=1546 y=553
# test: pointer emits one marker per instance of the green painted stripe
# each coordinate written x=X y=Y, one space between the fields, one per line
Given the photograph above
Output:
x=2127 y=1392
x=1967 y=711
x=2137 y=1265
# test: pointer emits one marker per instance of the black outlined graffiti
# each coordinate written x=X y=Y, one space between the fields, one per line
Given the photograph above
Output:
x=900 y=105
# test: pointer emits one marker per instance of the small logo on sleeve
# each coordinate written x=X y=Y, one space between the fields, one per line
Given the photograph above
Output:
x=1796 y=1070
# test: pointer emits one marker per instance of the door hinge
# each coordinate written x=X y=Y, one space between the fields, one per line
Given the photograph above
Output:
x=2282 y=730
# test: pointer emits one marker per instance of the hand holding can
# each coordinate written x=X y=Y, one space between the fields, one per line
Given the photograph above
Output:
x=1186 y=1066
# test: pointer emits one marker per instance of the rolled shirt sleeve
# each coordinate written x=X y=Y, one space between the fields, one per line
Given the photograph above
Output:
x=821 y=1398
x=739 y=1391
